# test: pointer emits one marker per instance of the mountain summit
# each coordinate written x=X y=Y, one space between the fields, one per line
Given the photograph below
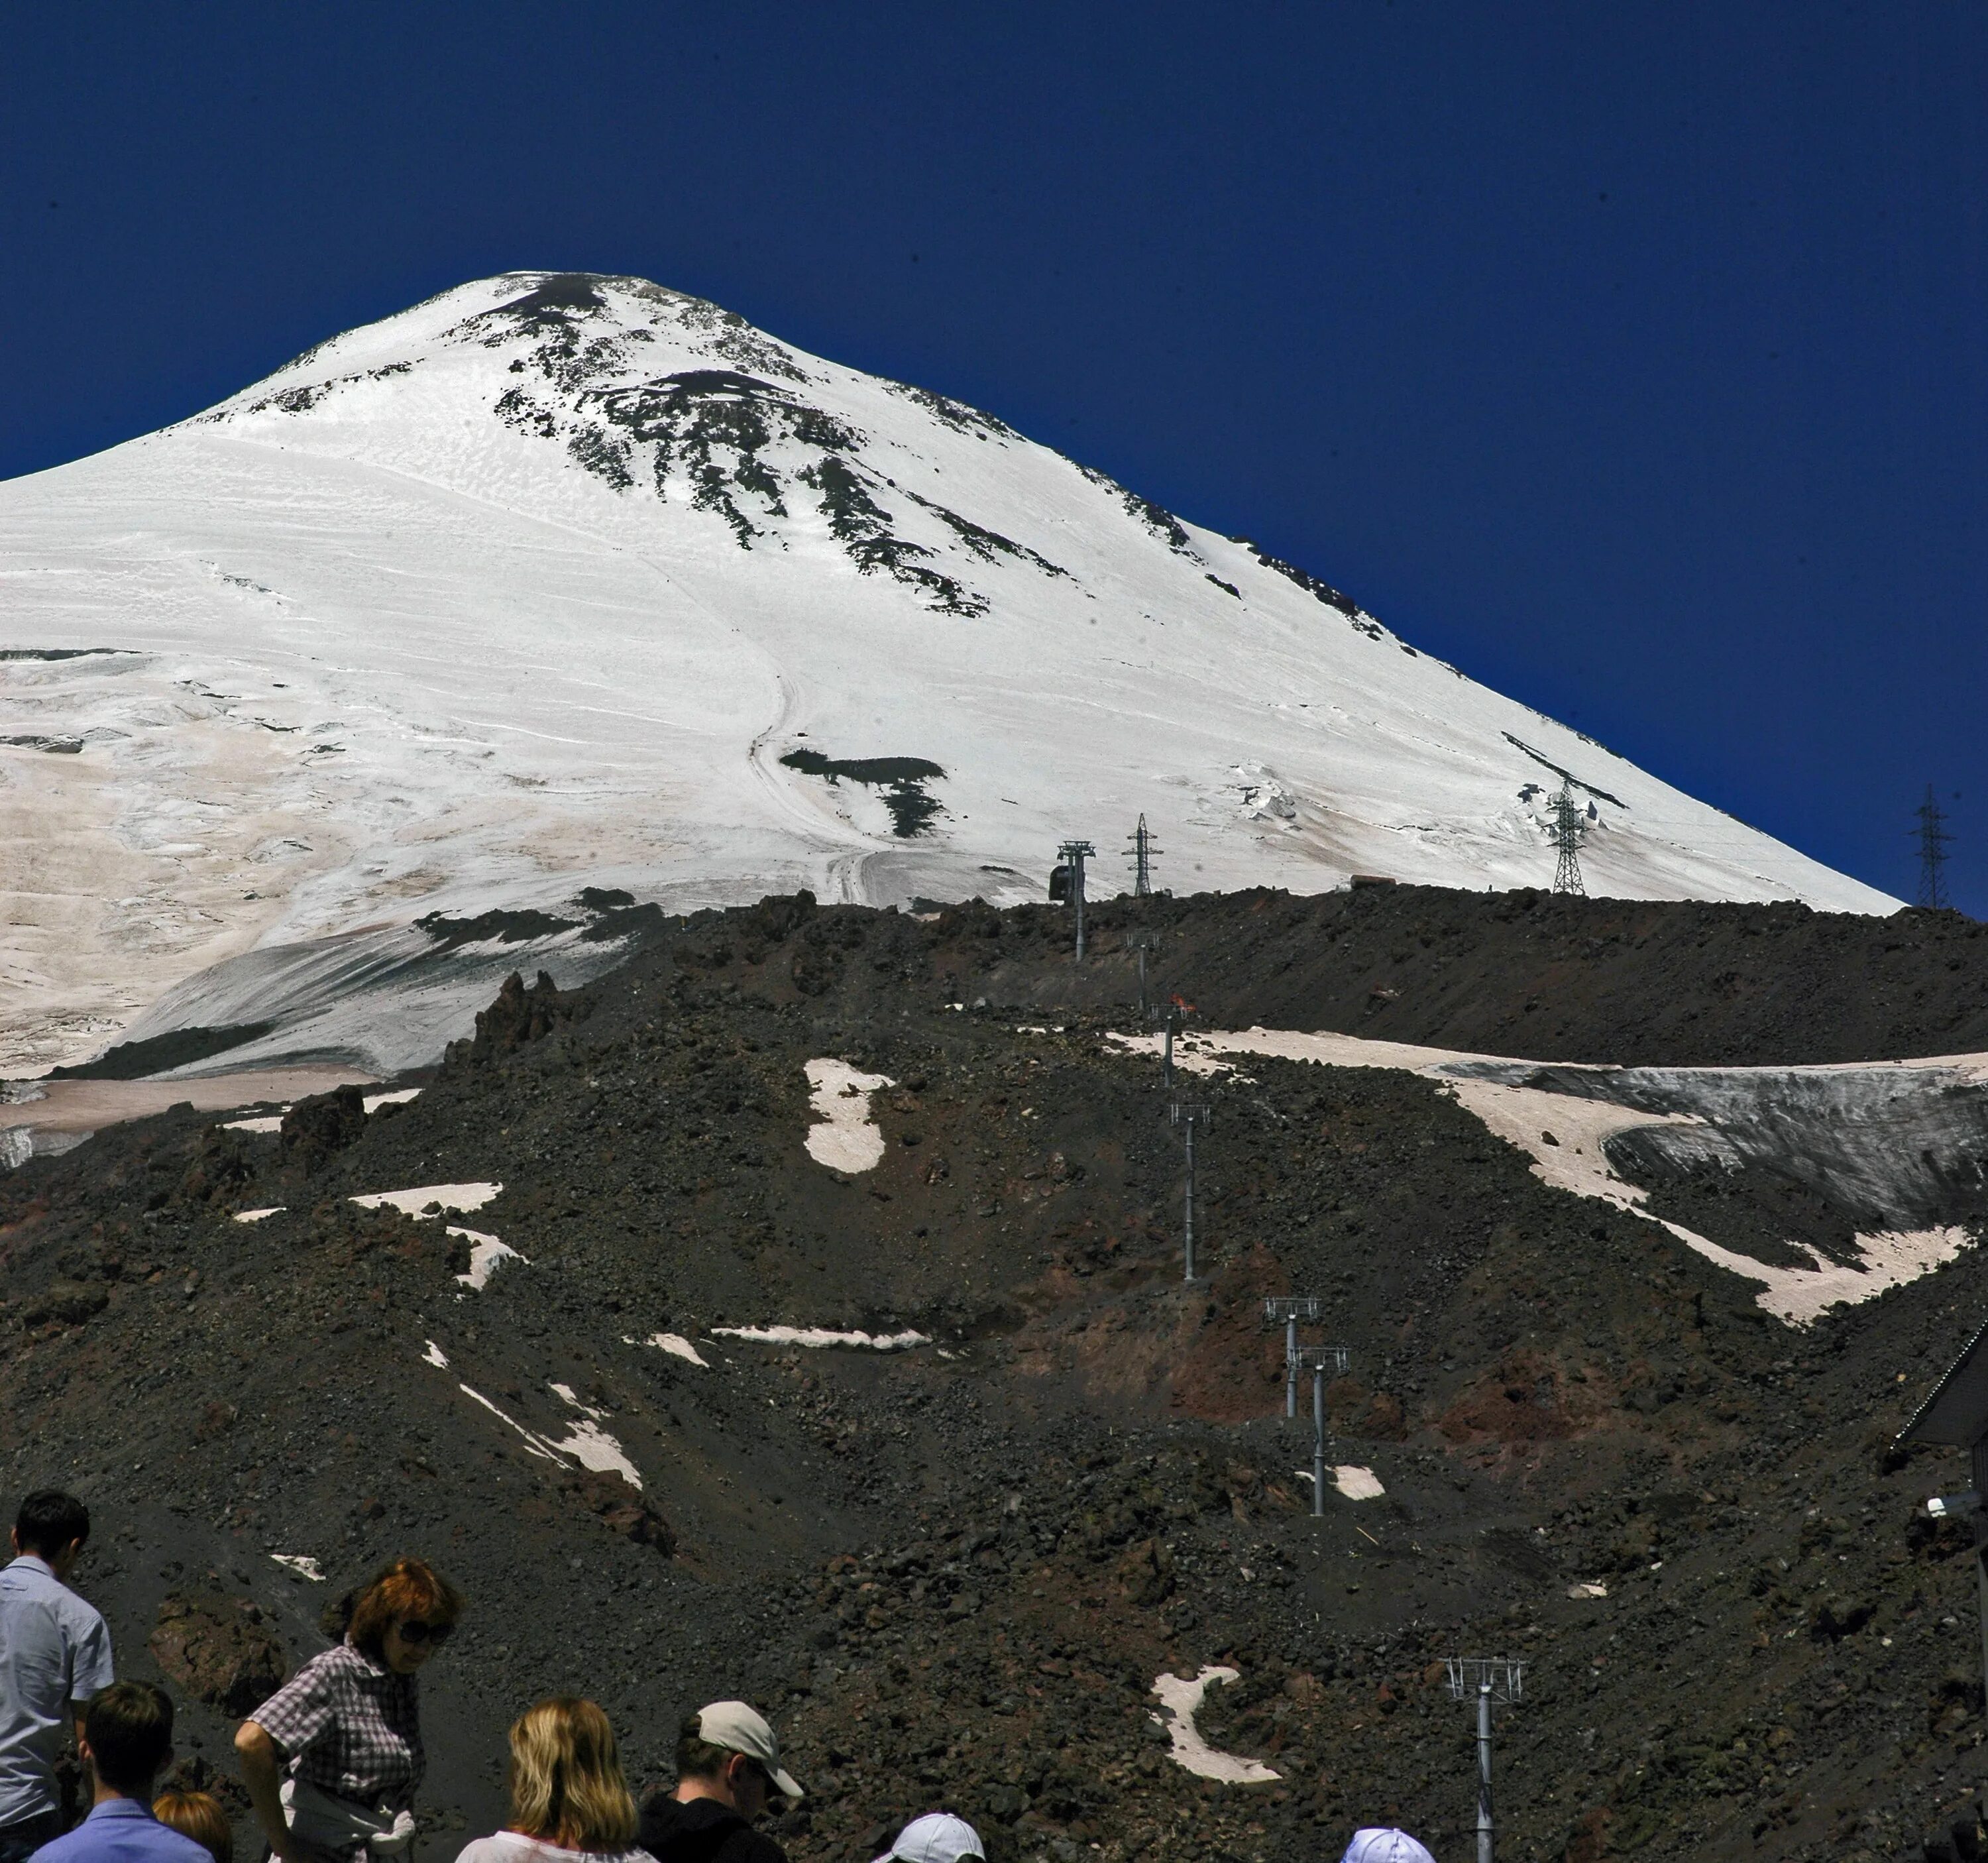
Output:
x=560 y=588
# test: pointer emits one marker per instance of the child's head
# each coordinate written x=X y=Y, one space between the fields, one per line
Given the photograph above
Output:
x=199 y=1816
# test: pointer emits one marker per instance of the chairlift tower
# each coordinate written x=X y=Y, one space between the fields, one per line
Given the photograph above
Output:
x=1167 y=1019
x=1568 y=828
x=1931 y=836
x=1486 y=1680
x=1144 y=942
x=1319 y=1360
x=1287 y=1311
x=1143 y=850
x=1190 y=1114
x=1076 y=853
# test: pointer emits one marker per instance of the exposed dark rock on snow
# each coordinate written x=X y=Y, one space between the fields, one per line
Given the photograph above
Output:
x=507 y=927
x=902 y=780
x=133 y=1060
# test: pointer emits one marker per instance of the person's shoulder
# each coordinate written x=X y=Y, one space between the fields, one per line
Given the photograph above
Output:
x=500 y=1847
x=699 y=1829
x=124 y=1835
x=662 y=1807
x=339 y=1660
x=26 y=1577
x=655 y=1818
x=69 y=1846
x=171 y=1846
x=746 y=1845
x=80 y=1613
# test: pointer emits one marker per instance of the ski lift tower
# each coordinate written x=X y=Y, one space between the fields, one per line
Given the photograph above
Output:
x=1486 y=1680
x=1166 y=1018
x=1287 y=1311
x=1568 y=828
x=1190 y=1114
x=1074 y=854
x=1144 y=943
x=1320 y=1360
x=1956 y=1414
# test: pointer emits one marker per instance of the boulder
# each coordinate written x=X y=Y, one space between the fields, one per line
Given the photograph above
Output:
x=315 y=1130
x=220 y=1649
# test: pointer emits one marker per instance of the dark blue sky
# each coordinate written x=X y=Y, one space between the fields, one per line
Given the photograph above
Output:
x=1631 y=358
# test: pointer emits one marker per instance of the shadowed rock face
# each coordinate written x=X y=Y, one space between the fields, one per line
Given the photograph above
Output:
x=315 y=1129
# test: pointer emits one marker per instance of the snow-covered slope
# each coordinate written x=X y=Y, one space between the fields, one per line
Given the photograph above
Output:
x=560 y=581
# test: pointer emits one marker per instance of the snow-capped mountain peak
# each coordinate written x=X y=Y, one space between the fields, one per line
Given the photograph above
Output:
x=560 y=582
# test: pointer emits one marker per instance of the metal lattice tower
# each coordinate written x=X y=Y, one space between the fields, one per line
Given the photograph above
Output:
x=1143 y=850
x=1076 y=853
x=1485 y=1680
x=1931 y=836
x=1190 y=1114
x=1568 y=828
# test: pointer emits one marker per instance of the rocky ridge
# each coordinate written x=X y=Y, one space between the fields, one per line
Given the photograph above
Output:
x=951 y=1574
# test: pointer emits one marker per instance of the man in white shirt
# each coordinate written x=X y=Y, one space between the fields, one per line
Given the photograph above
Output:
x=55 y=1653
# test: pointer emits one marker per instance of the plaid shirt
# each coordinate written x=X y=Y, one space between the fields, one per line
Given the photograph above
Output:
x=351 y=1726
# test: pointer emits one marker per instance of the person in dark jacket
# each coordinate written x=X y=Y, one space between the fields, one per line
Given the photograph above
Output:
x=729 y=1776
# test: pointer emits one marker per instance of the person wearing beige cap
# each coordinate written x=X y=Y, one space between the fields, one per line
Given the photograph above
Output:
x=728 y=1774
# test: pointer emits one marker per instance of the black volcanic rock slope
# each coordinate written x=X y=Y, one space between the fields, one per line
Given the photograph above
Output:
x=1676 y=982
x=951 y=1574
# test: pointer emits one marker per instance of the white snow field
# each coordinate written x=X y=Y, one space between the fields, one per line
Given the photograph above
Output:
x=558 y=581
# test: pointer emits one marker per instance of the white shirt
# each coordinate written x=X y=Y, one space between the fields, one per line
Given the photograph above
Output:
x=513 y=1847
x=55 y=1653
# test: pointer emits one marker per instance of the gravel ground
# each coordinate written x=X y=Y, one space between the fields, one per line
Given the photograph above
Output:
x=951 y=1574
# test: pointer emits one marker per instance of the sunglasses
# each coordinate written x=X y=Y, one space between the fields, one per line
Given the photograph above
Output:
x=416 y=1632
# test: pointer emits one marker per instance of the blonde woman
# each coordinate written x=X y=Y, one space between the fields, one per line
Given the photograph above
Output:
x=568 y=1797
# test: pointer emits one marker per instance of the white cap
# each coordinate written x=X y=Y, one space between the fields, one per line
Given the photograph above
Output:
x=741 y=1729
x=1385 y=1844
x=937 y=1837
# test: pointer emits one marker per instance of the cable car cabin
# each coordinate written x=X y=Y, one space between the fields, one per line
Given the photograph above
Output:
x=1059 y=884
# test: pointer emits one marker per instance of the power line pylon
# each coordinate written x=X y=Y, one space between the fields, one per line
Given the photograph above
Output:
x=1143 y=850
x=1568 y=828
x=1931 y=836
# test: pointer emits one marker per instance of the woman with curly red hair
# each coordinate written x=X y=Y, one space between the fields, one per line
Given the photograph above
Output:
x=332 y=1760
